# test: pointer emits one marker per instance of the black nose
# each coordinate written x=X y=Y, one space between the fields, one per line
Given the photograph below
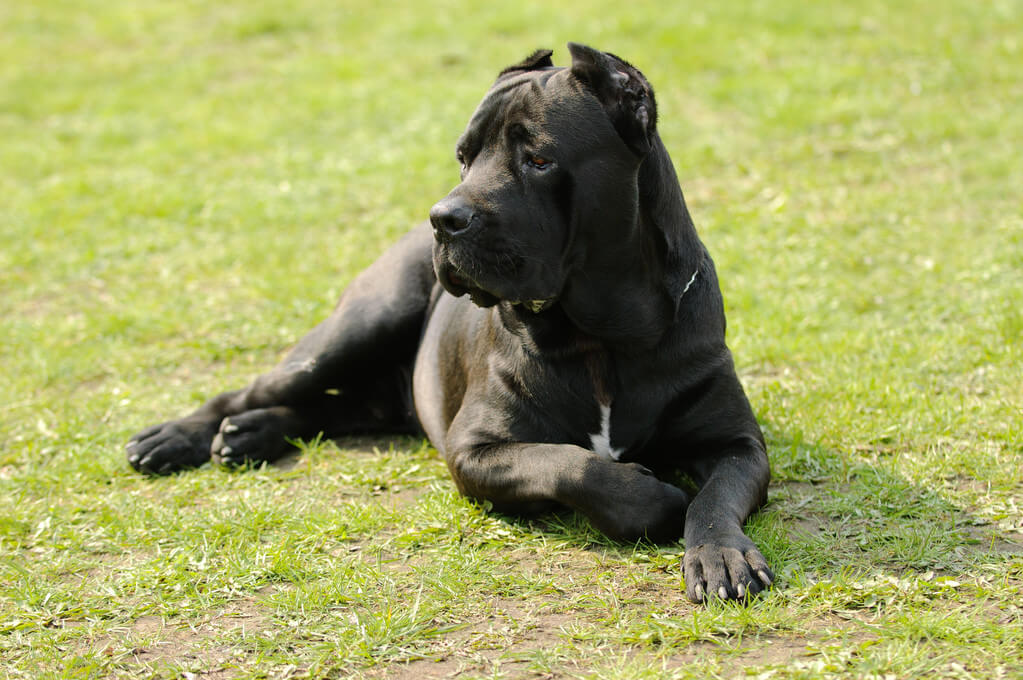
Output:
x=450 y=217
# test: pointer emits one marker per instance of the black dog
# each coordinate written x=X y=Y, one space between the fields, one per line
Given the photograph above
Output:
x=591 y=354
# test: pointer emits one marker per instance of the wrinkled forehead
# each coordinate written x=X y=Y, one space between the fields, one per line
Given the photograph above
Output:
x=520 y=103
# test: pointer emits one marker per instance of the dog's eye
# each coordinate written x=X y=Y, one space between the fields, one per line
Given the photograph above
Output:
x=538 y=162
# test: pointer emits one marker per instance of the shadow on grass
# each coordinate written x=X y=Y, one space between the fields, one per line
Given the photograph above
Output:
x=829 y=516
x=837 y=515
x=855 y=546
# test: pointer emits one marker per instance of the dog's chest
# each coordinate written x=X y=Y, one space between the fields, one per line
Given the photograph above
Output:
x=598 y=369
x=581 y=393
x=600 y=441
x=624 y=402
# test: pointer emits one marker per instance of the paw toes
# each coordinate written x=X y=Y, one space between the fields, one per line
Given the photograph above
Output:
x=134 y=454
x=242 y=439
x=695 y=583
x=740 y=574
x=218 y=444
x=227 y=427
x=138 y=437
x=168 y=447
x=252 y=437
x=228 y=457
x=228 y=446
x=758 y=565
x=160 y=460
x=718 y=583
x=725 y=572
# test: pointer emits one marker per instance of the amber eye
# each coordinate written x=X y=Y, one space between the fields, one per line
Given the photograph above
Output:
x=538 y=162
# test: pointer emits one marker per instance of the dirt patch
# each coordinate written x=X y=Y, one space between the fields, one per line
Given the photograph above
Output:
x=770 y=650
x=764 y=651
x=989 y=539
x=399 y=498
x=477 y=652
x=507 y=637
x=151 y=644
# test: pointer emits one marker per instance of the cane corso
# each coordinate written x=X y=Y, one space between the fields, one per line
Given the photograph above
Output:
x=556 y=330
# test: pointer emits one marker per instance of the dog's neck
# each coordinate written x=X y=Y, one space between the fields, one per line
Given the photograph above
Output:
x=629 y=289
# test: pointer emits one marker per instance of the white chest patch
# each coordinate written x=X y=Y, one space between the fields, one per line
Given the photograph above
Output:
x=601 y=441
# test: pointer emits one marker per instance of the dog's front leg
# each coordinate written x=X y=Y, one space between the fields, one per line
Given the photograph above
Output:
x=623 y=500
x=720 y=560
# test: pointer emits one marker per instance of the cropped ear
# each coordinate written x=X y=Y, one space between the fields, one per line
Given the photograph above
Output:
x=539 y=59
x=621 y=88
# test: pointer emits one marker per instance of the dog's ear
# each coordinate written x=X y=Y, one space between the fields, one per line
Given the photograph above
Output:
x=539 y=59
x=621 y=88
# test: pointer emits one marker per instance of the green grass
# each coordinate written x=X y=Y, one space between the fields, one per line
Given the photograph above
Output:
x=188 y=186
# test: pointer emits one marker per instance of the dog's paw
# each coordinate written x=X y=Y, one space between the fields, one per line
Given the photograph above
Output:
x=627 y=502
x=730 y=569
x=169 y=447
x=256 y=436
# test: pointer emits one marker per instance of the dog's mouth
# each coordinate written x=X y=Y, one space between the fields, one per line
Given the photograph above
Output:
x=458 y=284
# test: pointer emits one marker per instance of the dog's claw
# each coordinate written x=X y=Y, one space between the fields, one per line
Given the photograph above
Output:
x=731 y=570
x=229 y=428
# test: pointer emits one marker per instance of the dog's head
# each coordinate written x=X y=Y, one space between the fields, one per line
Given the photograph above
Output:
x=549 y=164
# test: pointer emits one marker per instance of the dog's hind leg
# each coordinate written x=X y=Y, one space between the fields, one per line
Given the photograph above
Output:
x=266 y=434
x=349 y=374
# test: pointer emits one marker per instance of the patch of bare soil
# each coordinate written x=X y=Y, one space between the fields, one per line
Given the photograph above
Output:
x=505 y=643
x=987 y=538
x=152 y=643
x=503 y=640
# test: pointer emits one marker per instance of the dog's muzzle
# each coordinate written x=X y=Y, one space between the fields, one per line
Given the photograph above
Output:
x=451 y=217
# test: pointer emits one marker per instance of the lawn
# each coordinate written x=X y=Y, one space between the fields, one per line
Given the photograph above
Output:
x=188 y=186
